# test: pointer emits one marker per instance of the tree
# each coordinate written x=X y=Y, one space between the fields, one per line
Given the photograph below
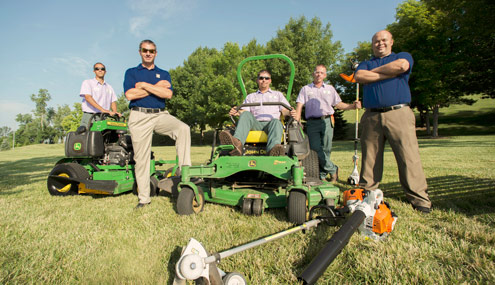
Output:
x=72 y=120
x=5 y=138
x=41 y=111
x=307 y=43
x=57 y=121
x=453 y=51
x=205 y=88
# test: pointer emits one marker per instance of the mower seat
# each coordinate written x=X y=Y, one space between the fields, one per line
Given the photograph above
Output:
x=257 y=137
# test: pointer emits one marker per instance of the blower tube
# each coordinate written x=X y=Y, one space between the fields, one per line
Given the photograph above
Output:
x=332 y=248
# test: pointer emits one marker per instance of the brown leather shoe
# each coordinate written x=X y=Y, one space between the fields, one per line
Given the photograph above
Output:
x=227 y=138
x=277 y=150
x=334 y=177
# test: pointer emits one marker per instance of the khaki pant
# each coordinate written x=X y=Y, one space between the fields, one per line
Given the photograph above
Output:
x=141 y=127
x=399 y=128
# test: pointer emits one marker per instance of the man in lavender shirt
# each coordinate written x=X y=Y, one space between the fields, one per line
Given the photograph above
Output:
x=98 y=95
x=320 y=100
x=266 y=118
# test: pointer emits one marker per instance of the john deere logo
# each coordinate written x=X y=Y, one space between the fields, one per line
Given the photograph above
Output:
x=252 y=163
x=77 y=146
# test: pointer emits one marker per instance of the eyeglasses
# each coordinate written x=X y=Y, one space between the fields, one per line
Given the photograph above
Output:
x=144 y=50
x=99 y=68
x=264 y=77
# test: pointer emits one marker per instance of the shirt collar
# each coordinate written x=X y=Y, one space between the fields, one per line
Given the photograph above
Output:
x=268 y=91
x=392 y=53
x=98 y=82
x=322 y=85
x=140 y=66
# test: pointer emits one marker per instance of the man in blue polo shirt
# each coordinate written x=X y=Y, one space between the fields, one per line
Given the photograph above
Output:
x=388 y=117
x=147 y=87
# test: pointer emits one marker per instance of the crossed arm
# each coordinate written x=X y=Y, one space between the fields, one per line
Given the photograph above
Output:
x=389 y=70
x=143 y=89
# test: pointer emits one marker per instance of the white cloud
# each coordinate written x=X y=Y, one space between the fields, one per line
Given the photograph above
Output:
x=73 y=65
x=137 y=24
x=147 y=11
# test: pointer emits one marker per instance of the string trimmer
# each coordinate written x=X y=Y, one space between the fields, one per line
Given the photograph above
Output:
x=369 y=214
x=354 y=177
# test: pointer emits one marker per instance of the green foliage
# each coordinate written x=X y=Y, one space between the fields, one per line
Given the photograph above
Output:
x=123 y=105
x=307 y=43
x=347 y=90
x=72 y=120
x=41 y=112
x=452 y=43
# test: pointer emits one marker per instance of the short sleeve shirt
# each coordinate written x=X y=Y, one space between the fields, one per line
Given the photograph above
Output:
x=152 y=76
x=103 y=94
x=318 y=101
x=265 y=113
x=387 y=92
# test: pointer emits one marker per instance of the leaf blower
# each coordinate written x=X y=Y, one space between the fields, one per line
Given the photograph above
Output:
x=370 y=215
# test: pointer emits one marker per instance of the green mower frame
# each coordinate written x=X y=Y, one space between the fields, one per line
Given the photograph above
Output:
x=258 y=182
x=99 y=161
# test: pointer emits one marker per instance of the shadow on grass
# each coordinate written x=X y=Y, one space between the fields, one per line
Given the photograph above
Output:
x=470 y=196
x=26 y=171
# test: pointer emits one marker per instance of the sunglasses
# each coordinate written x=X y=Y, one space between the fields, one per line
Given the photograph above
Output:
x=99 y=68
x=144 y=50
x=263 y=77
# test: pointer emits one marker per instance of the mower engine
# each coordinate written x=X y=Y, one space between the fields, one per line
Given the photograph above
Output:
x=120 y=152
x=108 y=146
x=379 y=220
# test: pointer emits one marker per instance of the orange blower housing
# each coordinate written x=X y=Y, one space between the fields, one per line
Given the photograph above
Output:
x=380 y=220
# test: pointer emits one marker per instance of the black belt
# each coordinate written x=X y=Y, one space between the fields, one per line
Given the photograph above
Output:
x=320 y=118
x=386 y=109
x=148 y=110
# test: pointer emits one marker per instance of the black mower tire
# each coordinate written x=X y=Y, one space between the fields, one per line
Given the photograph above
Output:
x=247 y=206
x=154 y=190
x=311 y=165
x=296 y=207
x=187 y=204
x=257 y=207
x=70 y=170
x=234 y=278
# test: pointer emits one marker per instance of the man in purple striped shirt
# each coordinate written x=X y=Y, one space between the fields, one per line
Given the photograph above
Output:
x=320 y=99
x=98 y=95
x=266 y=118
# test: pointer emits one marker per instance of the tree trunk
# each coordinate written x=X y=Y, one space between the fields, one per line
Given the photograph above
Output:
x=202 y=136
x=427 y=120
x=435 y=121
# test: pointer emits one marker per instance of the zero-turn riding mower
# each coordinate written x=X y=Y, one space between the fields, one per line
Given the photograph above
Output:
x=99 y=160
x=254 y=181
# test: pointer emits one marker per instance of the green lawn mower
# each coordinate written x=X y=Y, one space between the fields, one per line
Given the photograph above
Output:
x=100 y=161
x=255 y=181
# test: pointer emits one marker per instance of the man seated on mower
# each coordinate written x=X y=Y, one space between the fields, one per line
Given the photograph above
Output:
x=265 y=118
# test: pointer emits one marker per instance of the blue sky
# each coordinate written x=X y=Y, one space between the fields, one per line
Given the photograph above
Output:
x=53 y=44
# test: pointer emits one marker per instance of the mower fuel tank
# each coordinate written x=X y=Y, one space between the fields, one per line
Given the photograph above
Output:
x=84 y=144
x=298 y=141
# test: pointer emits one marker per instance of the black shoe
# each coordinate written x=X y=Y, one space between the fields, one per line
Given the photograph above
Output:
x=421 y=209
x=140 y=205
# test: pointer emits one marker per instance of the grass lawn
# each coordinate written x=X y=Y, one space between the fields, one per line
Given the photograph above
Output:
x=103 y=240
